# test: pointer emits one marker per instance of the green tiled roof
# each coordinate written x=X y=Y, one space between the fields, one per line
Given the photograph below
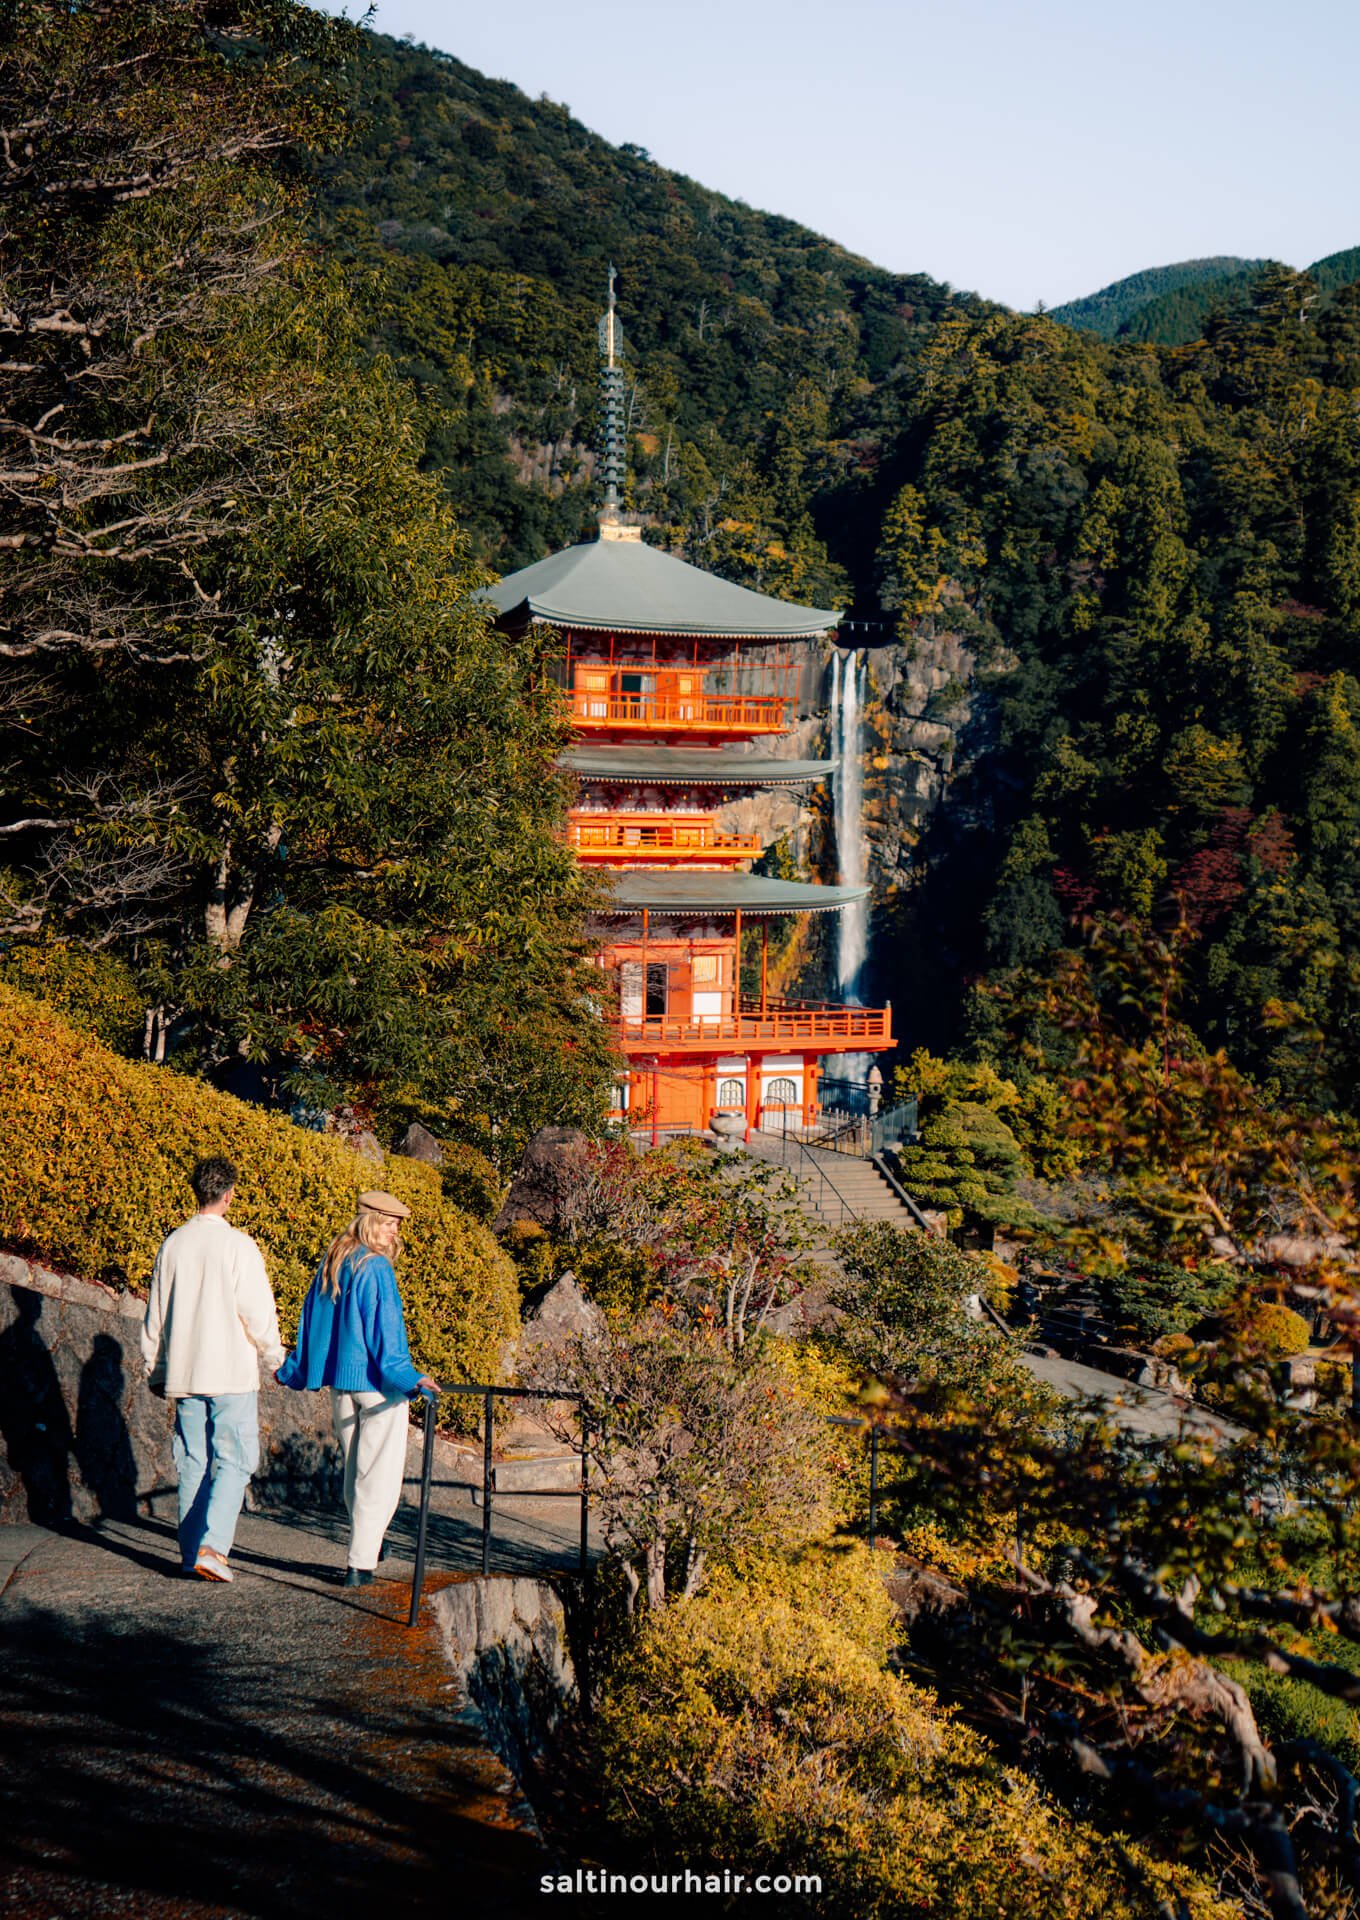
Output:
x=675 y=893
x=686 y=766
x=623 y=586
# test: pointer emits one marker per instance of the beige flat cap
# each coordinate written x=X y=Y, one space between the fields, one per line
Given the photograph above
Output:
x=388 y=1203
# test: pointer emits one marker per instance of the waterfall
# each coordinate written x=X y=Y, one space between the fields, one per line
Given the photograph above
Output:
x=849 y=679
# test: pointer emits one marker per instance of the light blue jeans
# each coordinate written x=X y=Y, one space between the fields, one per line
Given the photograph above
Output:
x=216 y=1449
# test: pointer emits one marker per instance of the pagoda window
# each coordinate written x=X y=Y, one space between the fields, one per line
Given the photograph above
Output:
x=707 y=969
x=783 y=1093
x=641 y=999
x=731 y=1093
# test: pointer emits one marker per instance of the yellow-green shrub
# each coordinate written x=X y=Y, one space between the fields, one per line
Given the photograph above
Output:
x=94 y=991
x=757 y=1727
x=1334 y=1380
x=95 y=1173
x=1275 y=1332
x=470 y=1181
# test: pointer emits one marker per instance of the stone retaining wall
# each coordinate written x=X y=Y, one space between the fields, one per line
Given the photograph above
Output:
x=82 y=1437
x=506 y=1640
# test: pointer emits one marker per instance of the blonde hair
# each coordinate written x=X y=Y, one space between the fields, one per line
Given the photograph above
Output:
x=374 y=1232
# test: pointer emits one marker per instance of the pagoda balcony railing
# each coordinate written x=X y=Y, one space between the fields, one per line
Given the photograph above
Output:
x=662 y=840
x=660 y=713
x=784 y=1024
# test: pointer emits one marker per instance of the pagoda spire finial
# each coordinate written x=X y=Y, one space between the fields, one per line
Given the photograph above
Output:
x=612 y=448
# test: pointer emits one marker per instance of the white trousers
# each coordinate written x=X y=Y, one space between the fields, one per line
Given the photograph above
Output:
x=371 y=1429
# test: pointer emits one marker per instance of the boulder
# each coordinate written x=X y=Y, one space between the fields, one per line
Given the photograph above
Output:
x=562 y=1316
x=552 y=1155
x=418 y=1143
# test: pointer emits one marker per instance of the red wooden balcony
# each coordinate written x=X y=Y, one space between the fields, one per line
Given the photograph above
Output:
x=679 y=713
x=654 y=698
x=621 y=840
x=812 y=1026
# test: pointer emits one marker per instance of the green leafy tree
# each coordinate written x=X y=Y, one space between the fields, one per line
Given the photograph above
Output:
x=311 y=796
x=1114 y=1599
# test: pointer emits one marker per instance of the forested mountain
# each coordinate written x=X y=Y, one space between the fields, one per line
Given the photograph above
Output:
x=750 y=337
x=1176 y=318
x=1155 y=556
x=1336 y=270
x=1158 y=559
x=1109 y=310
x=1152 y=557
x=1170 y=306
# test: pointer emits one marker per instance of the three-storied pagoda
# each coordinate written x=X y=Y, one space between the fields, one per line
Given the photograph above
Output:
x=674 y=677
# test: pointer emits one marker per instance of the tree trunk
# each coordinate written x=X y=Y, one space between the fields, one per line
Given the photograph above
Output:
x=156 y=1032
x=696 y=1560
x=654 y=1562
x=229 y=905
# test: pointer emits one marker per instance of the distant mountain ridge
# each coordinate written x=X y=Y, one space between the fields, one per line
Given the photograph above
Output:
x=1108 y=310
x=1168 y=306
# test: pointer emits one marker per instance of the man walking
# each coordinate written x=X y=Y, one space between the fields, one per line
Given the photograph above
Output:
x=210 y=1319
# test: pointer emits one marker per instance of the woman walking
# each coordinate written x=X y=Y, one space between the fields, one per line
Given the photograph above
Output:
x=352 y=1339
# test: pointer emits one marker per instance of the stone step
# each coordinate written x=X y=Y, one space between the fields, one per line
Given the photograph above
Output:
x=555 y=1473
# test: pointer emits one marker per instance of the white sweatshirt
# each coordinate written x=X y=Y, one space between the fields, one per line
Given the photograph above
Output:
x=210 y=1317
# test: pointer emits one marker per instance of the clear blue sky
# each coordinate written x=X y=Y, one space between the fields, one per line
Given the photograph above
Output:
x=1030 y=149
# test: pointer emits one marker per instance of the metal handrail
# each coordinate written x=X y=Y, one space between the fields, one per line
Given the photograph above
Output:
x=806 y=1159
x=489 y=1397
x=887 y=1174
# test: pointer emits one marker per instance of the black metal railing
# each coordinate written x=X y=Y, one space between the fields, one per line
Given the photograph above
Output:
x=489 y=1396
x=793 y=1152
x=867 y=1135
x=875 y=1441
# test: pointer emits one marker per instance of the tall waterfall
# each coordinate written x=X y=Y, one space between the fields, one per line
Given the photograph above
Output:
x=849 y=679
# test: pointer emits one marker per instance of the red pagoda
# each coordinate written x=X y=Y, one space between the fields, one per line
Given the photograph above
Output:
x=674 y=679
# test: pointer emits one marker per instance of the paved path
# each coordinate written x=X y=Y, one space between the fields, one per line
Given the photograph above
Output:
x=1145 y=1411
x=281 y=1746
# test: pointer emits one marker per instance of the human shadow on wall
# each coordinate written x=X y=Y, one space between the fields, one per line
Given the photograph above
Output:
x=34 y=1423
x=104 y=1453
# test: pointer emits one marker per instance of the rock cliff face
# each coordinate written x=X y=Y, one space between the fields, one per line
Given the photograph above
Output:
x=921 y=721
x=506 y=1640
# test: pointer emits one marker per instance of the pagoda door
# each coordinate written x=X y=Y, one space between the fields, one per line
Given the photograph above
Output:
x=680 y=1095
x=679 y=990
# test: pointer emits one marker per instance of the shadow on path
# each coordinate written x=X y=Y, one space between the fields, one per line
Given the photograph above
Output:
x=177 y=1748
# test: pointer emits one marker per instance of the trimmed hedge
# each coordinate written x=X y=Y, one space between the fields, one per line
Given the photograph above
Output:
x=95 y=1173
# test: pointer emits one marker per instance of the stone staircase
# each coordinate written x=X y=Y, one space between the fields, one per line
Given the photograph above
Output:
x=836 y=1190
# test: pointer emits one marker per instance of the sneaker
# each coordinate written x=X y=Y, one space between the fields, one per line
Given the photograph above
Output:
x=357 y=1577
x=212 y=1565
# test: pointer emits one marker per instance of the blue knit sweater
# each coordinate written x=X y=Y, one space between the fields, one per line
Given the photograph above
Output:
x=356 y=1341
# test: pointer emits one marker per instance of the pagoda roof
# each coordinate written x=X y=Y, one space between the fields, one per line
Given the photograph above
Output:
x=676 y=894
x=620 y=585
x=690 y=766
